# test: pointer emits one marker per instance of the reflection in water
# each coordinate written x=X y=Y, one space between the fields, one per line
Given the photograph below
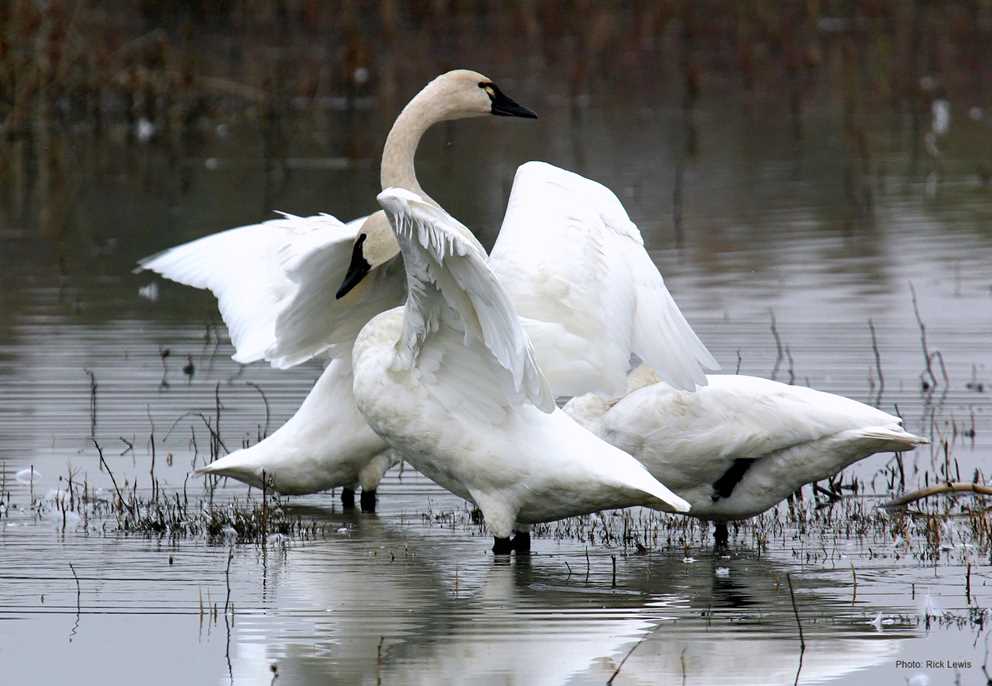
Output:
x=774 y=160
x=401 y=604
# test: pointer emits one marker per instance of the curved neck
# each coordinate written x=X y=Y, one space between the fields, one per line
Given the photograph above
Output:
x=401 y=144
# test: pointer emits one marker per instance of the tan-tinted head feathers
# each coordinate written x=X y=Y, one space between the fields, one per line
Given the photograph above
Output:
x=374 y=245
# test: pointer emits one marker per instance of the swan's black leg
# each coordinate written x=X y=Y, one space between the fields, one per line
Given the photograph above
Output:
x=521 y=542
x=348 y=498
x=721 y=536
x=503 y=546
x=368 y=500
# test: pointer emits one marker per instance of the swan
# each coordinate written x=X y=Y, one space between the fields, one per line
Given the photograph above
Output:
x=574 y=263
x=271 y=281
x=450 y=381
x=741 y=444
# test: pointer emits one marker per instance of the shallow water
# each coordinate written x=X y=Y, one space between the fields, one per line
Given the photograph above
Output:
x=771 y=223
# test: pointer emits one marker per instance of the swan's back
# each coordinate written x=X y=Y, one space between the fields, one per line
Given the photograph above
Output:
x=733 y=417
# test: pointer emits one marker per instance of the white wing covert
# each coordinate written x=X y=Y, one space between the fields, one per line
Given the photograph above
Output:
x=275 y=284
x=447 y=270
x=569 y=255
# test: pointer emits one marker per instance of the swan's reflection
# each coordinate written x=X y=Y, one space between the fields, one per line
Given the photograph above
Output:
x=408 y=604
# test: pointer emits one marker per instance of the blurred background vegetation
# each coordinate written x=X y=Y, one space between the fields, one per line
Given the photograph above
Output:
x=189 y=116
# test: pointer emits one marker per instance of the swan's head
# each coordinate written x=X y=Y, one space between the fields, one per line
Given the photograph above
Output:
x=374 y=245
x=464 y=93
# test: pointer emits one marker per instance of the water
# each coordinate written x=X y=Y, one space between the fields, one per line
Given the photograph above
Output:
x=807 y=224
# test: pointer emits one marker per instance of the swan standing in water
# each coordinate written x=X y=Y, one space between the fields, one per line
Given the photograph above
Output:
x=739 y=445
x=273 y=285
x=572 y=259
x=450 y=381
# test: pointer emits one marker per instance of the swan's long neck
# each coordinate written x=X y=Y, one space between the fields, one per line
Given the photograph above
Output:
x=401 y=143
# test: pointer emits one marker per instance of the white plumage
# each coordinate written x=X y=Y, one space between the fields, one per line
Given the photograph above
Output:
x=266 y=277
x=567 y=254
x=570 y=259
x=526 y=463
x=741 y=444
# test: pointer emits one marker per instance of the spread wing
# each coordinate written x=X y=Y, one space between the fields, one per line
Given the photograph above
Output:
x=570 y=257
x=450 y=287
x=275 y=284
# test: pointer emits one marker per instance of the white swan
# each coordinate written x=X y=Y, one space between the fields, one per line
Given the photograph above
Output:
x=571 y=257
x=450 y=381
x=275 y=284
x=742 y=444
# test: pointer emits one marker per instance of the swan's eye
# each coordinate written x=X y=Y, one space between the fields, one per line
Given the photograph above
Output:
x=488 y=87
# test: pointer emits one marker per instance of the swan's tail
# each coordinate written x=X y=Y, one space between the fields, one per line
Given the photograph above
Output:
x=633 y=474
x=662 y=493
x=241 y=465
x=893 y=438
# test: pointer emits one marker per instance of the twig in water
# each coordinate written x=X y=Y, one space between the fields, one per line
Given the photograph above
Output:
x=614 y=559
x=92 y=401
x=227 y=579
x=967 y=584
x=78 y=591
x=795 y=610
x=938 y=489
x=923 y=337
x=878 y=362
x=117 y=490
x=129 y=444
x=739 y=360
x=778 y=346
x=939 y=356
x=631 y=652
x=265 y=431
x=854 y=579
x=75 y=626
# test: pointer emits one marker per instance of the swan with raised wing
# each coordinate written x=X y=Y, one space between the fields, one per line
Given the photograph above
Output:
x=572 y=258
x=451 y=382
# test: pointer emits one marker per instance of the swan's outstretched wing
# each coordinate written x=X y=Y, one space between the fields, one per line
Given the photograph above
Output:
x=569 y=256
x=450 y=285
x=275 y=285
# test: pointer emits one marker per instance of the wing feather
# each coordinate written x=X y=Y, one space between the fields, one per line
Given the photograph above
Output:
x=447 y=272
x=568 y=253
x=275 y=284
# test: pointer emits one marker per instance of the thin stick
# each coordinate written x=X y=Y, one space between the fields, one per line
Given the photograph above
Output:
x=227 y=579
x=78 y=592
x=878 y=361
x=631 y=652
x=923 y=336
x=795 y=610
x=265 y=431
x=778 y=345
x=614 y=558
x=952 y=487
x=854 y=577
x=92 y=401
x=112 y=479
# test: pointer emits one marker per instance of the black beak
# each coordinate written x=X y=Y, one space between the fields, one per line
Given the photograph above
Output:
x=505 y=107
x=357 y=270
